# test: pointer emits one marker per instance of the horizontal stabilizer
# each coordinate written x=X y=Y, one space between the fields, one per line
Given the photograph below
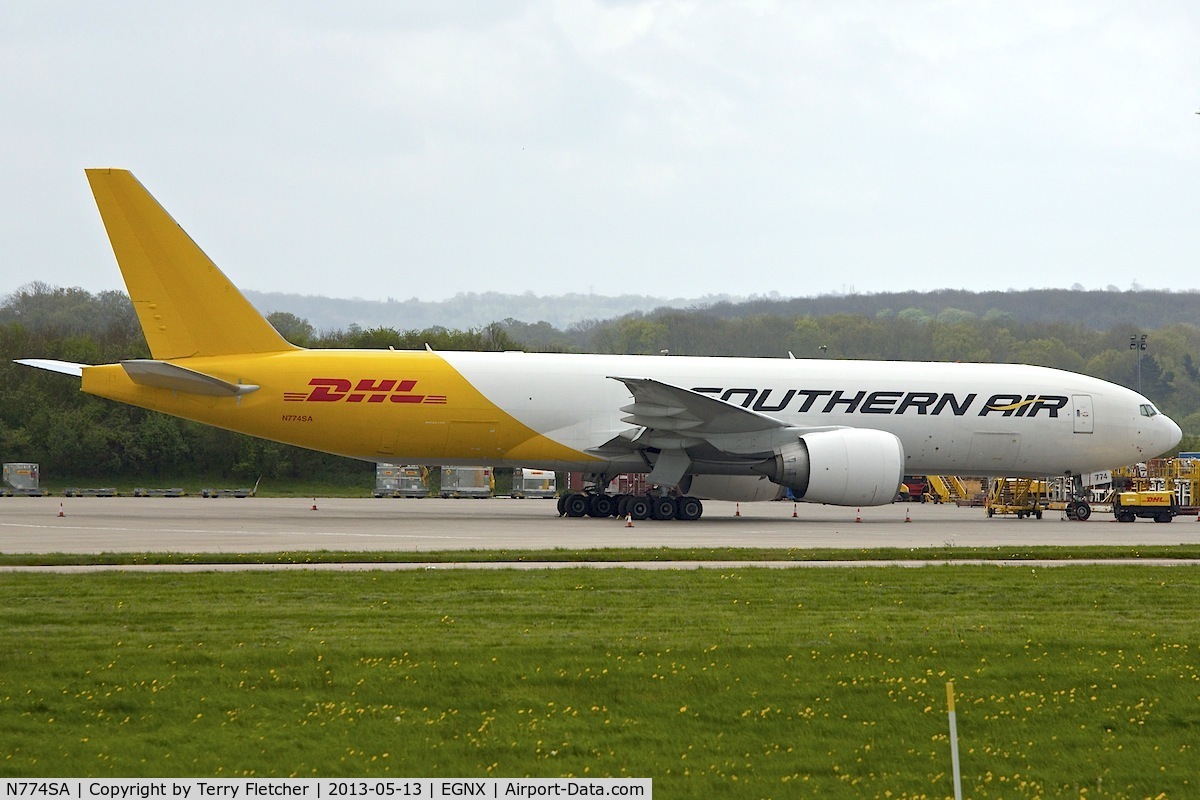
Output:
x=162 y=375
x=65 y=367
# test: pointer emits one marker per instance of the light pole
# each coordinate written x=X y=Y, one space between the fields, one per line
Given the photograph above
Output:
x=1139 y=345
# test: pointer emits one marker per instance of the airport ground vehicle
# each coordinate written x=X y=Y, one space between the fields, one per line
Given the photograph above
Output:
x=1024 y=497
x=1156 y=505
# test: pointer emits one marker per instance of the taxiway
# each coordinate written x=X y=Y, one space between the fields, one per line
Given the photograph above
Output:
x=258 y=525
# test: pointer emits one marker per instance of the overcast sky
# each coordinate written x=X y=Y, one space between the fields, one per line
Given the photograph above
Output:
x=400 y=149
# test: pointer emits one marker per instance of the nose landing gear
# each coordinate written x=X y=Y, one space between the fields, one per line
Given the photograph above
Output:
x=1078 y=508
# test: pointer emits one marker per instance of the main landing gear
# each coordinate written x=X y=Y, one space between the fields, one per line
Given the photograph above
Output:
x=636 y=506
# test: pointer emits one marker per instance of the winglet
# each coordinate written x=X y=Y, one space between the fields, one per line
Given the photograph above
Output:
x=187 y=307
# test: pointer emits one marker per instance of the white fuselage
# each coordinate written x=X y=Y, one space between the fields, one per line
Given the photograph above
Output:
x=952 y=418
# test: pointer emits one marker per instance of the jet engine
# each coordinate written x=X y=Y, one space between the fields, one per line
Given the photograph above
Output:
x=844 y=467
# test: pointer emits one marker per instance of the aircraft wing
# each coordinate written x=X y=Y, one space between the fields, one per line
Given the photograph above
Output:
x=683 y=425
x=663 y=407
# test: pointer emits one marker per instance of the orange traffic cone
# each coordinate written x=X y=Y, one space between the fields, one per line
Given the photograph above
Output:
x=60 y=510
x=794 y=514
x=907 y=518
x=628 y=520
x=737 y=509
x=314 y=508
x=858 y=515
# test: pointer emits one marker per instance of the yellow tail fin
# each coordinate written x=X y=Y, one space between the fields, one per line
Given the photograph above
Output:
x=186 y=306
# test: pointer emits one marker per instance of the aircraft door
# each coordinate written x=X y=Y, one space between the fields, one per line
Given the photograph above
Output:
x=473 y=439
x=1082 y=405
x=995 y=452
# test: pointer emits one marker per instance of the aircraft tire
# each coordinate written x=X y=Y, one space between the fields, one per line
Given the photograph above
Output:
x=601 y=505
x=638 y=507
x=1082 y=512
x=688 y=508
x=662 y=508
x=561 y=500
x=576 y=505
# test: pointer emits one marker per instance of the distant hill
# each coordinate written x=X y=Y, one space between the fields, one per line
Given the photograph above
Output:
x=466 y=309
x=1099 y=310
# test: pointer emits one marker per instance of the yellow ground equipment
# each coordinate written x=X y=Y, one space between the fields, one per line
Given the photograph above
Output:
x=947 y=489
x=934 y=489
x=1025 y=497
x=1157 y=505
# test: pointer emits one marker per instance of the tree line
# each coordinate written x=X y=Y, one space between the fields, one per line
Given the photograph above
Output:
x=46 y=419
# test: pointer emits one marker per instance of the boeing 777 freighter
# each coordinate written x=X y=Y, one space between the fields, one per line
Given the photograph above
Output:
x=831 y=431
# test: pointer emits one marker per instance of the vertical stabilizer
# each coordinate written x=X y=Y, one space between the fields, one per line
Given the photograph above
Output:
x=187 y=307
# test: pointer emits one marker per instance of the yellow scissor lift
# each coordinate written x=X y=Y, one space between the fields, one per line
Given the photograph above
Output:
x=1025 y=497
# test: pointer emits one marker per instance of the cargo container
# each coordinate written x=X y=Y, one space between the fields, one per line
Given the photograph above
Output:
x=399 y=480
x=21 y=475
x=20 y=480
x=467 y=482
x=534 y=483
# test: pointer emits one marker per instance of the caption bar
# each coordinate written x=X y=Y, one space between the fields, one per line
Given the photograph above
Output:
x=322 y=789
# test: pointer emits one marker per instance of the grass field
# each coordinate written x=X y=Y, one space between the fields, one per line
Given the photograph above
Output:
x=1071 y=682
x=611 y=554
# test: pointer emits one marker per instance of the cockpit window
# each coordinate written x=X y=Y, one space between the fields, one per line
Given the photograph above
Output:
x=1148 y=410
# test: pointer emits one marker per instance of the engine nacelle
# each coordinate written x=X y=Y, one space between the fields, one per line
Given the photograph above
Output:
x=844 y=467
x=734 y=488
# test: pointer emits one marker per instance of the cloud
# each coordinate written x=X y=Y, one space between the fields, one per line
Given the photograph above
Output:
x=684 y=147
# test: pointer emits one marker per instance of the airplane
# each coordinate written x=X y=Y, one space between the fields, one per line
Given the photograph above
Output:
x=841 y=432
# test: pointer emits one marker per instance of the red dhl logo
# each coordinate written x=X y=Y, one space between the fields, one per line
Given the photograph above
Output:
x=367 y=390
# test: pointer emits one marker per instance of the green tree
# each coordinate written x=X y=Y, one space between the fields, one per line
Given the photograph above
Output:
x=296 y=330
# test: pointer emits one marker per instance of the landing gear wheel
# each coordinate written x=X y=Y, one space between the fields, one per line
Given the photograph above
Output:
x=575 y=505
x=1082 y=511
x=662 y=508
x=622 y=505
x=562 y=498
x=638 y=507
x=601 y=505
x=688 y=508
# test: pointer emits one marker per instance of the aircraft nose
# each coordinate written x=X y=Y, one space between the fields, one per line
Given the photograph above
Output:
x=1172 y=432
